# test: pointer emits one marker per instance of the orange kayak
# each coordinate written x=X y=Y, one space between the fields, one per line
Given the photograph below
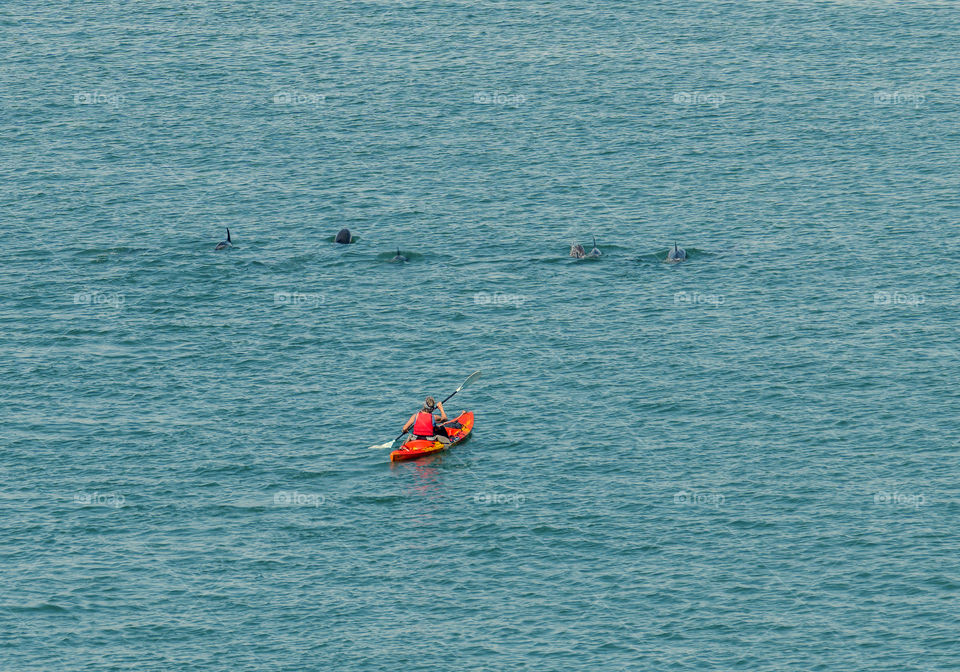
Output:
x=411 y=450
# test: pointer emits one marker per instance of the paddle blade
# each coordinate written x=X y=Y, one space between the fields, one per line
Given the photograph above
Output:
x=388 y=444
x=473 y=377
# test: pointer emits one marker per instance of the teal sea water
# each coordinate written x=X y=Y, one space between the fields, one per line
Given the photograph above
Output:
x=746 y=461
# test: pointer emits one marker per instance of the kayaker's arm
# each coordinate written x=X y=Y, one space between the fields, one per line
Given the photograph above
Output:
x=413 y=418
x=443 y=413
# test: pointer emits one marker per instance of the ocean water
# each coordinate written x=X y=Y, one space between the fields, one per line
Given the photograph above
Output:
x=746 y=461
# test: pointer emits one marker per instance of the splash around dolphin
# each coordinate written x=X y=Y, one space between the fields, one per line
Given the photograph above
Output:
x=578 y=252
x=343 y=237
x=676 y=255
x=224 y=244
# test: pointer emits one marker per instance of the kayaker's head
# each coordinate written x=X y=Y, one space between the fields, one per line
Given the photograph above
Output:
x=429 y=404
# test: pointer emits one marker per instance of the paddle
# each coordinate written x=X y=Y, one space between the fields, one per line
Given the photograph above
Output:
x=473 y=376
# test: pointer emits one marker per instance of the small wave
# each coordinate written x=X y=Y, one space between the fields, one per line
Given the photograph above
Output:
x=388 y=256
x=107 y=251
x=44 y=608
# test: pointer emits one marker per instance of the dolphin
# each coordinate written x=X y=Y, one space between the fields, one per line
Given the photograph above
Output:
x=576 y=251
x=399 y=257
x=343 y=237
x=595 y=252
x=224 y=244
x=677 y=254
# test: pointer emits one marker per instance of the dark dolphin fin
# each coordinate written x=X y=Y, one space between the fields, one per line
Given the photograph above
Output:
x=594 y=242
x=674 y=246
x=398 y=251
x=228 y=236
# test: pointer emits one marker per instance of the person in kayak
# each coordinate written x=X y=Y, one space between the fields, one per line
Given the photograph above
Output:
x=426 y=425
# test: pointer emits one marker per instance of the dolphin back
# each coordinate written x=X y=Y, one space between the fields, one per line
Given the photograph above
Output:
x=677 y=253
x=595 y=252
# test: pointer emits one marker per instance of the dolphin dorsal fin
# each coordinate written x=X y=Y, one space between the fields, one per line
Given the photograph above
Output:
x=674 y=246
x=594 y=242
x=398 y=251
x=228 y=236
